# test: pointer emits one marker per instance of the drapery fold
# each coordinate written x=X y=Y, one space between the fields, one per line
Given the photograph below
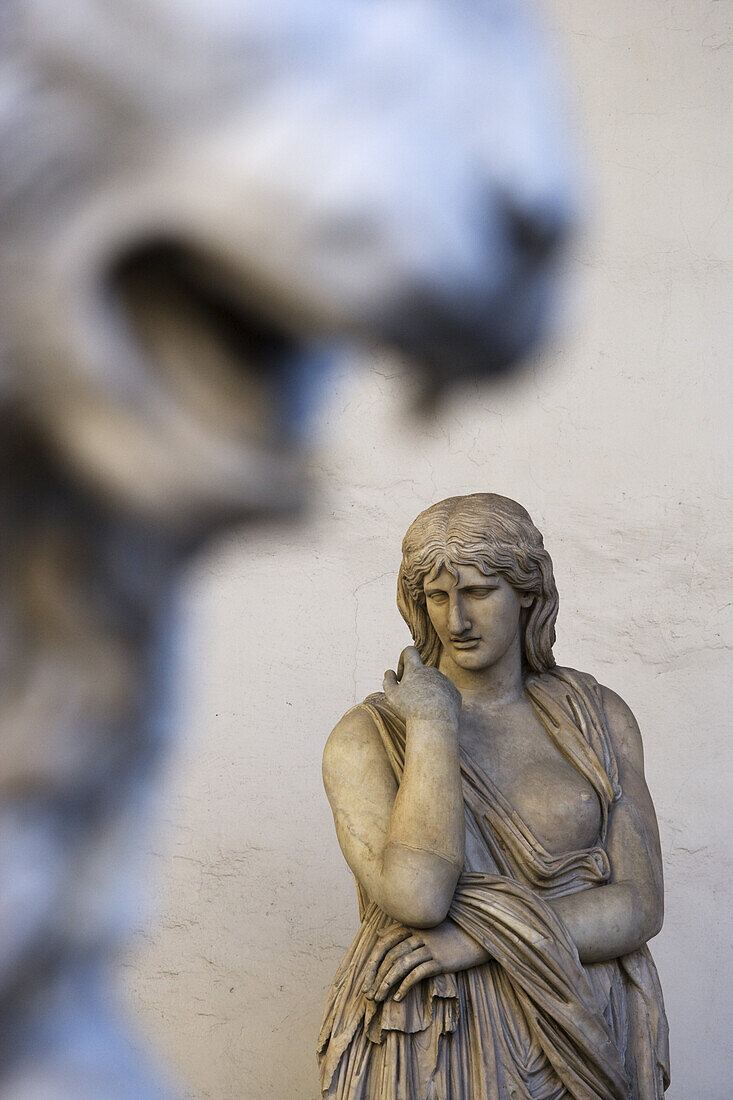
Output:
x=529 y=941
x=533 y=1023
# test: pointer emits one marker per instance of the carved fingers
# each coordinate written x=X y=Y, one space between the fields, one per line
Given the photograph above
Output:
x=389 y=683
x=388 y=938
x=417 y=691
x=392 y=964
x=402 y=957
x=428 y=969
x=409 y=658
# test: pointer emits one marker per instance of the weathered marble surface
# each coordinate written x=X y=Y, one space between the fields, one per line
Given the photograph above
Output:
x=494 y=812
x=193 y=204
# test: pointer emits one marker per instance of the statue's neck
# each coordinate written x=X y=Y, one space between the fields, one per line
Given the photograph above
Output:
x=497 y=685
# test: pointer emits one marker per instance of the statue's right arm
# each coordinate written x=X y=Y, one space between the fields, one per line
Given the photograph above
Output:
x=405 y=844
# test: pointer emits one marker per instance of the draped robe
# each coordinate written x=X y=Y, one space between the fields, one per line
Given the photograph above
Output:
x=533 y=1023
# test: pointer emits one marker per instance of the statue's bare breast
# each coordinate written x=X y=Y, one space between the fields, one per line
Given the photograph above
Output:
x=553 y=799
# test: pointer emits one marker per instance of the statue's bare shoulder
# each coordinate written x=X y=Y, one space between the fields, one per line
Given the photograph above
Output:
x=624 y=730
x=360 y=785
x=354 y=751
x=633 y=841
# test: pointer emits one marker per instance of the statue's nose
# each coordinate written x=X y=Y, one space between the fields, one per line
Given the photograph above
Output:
x=458 y=622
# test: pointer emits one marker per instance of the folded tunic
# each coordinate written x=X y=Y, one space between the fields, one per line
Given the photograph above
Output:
x=533 y=1023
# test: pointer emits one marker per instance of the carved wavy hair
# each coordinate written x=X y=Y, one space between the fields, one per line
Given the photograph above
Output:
x=489 y=532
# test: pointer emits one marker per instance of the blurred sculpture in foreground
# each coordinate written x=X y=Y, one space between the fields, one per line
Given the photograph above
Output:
x=196 y=198
x=494 y=811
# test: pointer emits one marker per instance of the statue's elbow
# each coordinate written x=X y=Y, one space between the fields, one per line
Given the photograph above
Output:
x=656 y=918
x=423 y=903
x=650 y=907
x=418 y=886
x=422 y=911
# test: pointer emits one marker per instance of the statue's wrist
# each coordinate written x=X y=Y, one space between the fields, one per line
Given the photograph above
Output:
x=433 y=723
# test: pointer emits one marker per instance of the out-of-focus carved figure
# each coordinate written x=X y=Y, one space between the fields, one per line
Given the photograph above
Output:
x=196 y=198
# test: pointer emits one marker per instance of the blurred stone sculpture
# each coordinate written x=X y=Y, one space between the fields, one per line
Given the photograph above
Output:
x=494 y=811
x=197 y=198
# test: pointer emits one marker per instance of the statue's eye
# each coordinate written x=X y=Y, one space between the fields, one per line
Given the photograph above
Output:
x=437 y=597
x=481 y=593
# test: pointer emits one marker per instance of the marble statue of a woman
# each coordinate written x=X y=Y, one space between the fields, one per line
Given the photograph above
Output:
x=493 y=809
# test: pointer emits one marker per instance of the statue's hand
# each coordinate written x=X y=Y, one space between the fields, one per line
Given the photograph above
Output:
x=415 y=691
x=403 y=957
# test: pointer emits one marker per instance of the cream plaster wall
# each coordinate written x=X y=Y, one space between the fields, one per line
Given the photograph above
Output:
x=615 y=441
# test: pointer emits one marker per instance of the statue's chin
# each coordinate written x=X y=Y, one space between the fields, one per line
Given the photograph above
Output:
x=472 y=660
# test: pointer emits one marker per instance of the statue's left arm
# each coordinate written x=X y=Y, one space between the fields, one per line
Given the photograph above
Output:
x=613 y=920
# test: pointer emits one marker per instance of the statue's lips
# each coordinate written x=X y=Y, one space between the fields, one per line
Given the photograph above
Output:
x=465 y=643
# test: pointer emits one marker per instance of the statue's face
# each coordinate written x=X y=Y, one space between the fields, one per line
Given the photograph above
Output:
x=476 y=617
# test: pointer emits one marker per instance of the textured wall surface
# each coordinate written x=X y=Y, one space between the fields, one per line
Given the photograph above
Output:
x=615 y=441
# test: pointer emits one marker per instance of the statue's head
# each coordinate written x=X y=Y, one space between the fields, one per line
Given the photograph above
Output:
x=493 y=535
x=197 y=194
